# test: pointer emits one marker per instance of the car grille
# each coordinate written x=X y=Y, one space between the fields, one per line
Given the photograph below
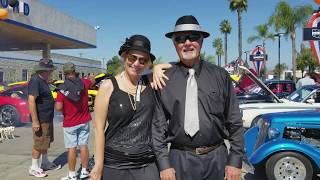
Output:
x=263 y=133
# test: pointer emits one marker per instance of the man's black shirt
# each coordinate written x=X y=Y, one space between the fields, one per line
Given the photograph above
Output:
x=218 y=109
x=39 y=88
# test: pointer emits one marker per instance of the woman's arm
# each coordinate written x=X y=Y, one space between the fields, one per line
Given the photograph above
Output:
x=159 y=76
x=100 y=120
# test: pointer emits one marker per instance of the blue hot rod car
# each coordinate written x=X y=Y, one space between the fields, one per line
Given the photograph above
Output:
x=286 y=144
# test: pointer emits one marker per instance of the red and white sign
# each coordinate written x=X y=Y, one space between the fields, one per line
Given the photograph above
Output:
x=314 y=22
x=258 y=58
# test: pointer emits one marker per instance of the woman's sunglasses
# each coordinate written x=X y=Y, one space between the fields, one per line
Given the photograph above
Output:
x=183 y=38
x=133 y=59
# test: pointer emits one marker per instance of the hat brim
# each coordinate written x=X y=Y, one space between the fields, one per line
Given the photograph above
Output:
x=152 y=57
x=170 y=34
x=41 y=68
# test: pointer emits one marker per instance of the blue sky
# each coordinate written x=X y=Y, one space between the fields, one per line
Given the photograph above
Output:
x=120 y=19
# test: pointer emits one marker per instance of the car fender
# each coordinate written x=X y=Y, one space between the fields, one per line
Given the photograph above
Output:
x=278 y=145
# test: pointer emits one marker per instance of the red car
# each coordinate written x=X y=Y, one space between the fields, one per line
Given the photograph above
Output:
x=14 y=106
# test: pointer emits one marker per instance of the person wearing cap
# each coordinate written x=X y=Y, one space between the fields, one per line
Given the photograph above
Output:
x=72 y=100
x=41 y=106
x=127 y=103
x=198 y=111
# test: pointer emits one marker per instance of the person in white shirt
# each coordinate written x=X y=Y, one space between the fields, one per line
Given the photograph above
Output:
x=305 y=81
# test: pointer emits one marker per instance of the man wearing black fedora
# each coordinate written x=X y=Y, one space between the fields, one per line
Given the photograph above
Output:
x=198 y=111
x=41 y=105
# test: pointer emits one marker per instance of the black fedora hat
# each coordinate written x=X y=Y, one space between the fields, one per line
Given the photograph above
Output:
x=138 y=43
x=187 y=23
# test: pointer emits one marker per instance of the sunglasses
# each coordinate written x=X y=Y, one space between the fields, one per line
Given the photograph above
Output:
x=183 y=38
x=132 y=59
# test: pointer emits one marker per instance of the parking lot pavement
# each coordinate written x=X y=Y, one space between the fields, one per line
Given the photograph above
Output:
x=15 y=155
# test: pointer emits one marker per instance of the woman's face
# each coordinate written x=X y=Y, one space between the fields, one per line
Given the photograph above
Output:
x=136 y=62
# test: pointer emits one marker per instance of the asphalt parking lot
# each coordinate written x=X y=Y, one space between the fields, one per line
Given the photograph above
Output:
x=15 y=155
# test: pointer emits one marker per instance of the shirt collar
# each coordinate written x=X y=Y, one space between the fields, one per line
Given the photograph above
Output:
x=185 y=70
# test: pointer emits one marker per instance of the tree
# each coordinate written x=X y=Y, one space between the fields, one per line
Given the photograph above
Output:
x=239 y=6
x=289 y=18
x=225 y=28
x=158 y=60
x=306 y=59
x=208 y=58
x=276 y=69
x=263 y=35
x=114 y=66
x=217 y=44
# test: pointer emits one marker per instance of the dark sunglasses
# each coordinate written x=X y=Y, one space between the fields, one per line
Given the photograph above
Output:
x=183 y=38
x=132 y=59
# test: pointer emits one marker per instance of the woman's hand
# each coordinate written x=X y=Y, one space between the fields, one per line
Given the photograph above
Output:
x=96 y=173
x=159 y=76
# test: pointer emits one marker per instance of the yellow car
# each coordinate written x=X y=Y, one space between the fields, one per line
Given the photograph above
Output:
x=17 y=83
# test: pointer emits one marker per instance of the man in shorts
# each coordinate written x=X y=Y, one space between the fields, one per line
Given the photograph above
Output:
x=41 y=105
x=72 y=100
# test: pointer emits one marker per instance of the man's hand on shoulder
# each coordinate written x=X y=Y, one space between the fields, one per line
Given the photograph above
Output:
x=168 y=174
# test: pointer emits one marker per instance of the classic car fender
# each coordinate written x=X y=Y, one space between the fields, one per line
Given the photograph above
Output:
x=278 y=145
x=250 y=140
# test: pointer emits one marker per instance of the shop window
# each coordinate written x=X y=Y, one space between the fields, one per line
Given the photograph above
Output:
x=1 y=76
x=24 y=74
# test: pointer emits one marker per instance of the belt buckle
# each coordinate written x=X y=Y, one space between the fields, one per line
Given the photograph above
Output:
x=198 y=151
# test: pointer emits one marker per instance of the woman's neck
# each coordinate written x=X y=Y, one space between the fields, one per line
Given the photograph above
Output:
x=133 y=80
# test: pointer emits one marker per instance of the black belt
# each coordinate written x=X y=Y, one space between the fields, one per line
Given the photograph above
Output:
x=198 y=150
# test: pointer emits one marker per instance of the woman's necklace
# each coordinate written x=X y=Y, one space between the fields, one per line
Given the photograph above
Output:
x=136 y=96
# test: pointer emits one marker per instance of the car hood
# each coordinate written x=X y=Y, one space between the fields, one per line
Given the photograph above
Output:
x=259 y=82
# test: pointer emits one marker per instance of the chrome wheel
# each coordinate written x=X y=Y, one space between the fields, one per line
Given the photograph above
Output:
x=8 y=115
x=290 y=168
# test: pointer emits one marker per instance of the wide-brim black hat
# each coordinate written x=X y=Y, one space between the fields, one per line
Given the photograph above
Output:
x=138 y=43
x=185 y=24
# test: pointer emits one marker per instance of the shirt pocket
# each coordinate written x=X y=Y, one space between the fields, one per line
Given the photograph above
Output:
x=215 y=103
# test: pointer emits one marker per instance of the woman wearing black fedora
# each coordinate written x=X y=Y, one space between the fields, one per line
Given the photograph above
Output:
x=127 y=103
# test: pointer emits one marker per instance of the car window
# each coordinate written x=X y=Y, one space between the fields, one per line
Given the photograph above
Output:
x=300 y=94
x=287 y=87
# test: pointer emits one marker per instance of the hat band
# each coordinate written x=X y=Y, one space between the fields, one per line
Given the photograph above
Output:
x=187 y=27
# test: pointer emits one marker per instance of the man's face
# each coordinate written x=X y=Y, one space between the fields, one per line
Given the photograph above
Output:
x=188 y=46
x=70 y=75
x=46 y=75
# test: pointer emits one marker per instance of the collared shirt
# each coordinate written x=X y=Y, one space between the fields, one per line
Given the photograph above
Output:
x=218 y=109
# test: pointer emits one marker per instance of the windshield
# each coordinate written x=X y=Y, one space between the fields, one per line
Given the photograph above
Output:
x=300 y=94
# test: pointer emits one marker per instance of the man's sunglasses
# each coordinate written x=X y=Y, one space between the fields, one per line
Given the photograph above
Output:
x=133 y=59
x=183 y=38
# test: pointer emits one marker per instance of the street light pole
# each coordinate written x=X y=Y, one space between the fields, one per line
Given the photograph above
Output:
x=246 y=52
x=279 y=50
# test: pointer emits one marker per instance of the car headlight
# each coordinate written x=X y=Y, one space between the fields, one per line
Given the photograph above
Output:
x=273 y=133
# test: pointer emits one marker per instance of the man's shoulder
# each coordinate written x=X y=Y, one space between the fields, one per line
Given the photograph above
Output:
x=214 y=68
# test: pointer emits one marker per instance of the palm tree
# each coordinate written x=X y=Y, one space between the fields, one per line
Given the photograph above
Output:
x=289 y=18
x=207 y=58
x=239 y=6
x=217 y=44
x=263 y=35
x=225 y=28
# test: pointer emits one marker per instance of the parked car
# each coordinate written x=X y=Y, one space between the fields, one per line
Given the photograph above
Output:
x=254 y=93
x=286 y=144
x=302 y=99
x=14 y=106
